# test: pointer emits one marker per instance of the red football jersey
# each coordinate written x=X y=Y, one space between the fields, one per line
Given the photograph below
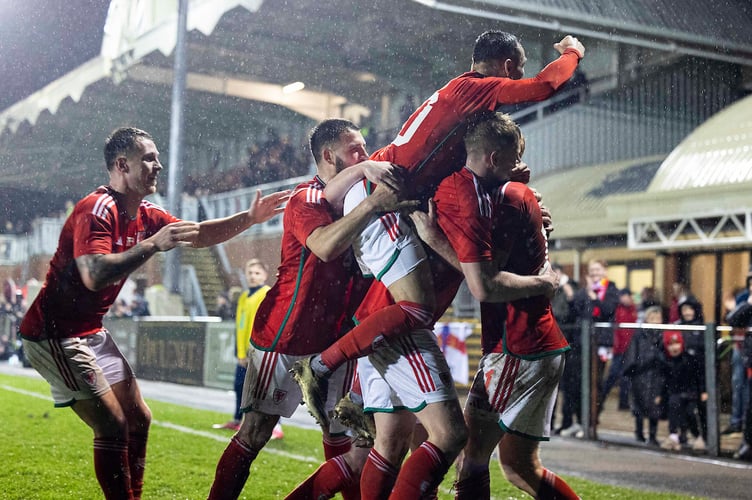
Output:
x=98 y=224
x=463 y=210
x=531 y=330
x=304 y=311
x=430 y=145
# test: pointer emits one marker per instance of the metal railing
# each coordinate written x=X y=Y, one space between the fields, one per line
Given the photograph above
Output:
x=590 y=377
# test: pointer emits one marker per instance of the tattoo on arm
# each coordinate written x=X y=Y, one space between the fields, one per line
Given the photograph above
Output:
x=108 y=269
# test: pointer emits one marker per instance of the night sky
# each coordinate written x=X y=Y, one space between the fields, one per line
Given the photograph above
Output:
x=41 y=40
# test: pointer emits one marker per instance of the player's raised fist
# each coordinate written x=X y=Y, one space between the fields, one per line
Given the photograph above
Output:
x=570 y=42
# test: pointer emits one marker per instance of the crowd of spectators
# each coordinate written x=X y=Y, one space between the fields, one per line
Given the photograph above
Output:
x=12 y=309
x=273 y=160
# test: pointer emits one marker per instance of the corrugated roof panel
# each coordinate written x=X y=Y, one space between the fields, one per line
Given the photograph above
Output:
x=578 y=198
x=729 y=20
x=718 y=152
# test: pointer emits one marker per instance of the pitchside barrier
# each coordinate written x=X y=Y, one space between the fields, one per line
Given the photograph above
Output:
x=717 y=344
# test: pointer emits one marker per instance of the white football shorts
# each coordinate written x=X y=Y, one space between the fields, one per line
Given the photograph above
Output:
x=269 y=388
x=387 y=249
x=406 y=373
x=519 y=394
x=78 y=368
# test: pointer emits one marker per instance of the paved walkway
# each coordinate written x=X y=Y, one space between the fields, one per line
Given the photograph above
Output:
x=615 y=460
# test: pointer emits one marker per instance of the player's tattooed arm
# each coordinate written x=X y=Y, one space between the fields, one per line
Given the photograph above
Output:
x=99 y=271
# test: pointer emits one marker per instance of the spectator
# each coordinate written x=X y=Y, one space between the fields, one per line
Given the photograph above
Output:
x=684 y=388
x=223 y=307
x=741 y=319
x=596 y=302
x=690 y=311
x=644 y=364
x=571 y=392
x=626 y=312
x=739 y=390
x=139 y=305
x=679 y=293
x=648 y=298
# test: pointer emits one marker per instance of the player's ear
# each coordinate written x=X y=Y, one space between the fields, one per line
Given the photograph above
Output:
x=328 y=156
x=508 y=67
x=121 y=163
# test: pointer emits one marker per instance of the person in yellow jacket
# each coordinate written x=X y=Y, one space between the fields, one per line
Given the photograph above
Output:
x=256 y=275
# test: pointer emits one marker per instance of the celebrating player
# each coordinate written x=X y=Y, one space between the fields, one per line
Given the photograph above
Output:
x=110 y=233
x=512 y=396
x=429 y=145
x=306 y=309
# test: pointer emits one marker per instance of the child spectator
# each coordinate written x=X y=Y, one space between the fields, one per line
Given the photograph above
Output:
x=684 y=388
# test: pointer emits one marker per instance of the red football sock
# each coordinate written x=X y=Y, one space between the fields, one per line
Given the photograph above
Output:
x=232 y=470
x=552 y=487
x=476 y=485
x=111 y=468
x=335 y=446
x=137 y=461
x=378 y=477
x=332 y=476
x=387 y=323
x=421 y=473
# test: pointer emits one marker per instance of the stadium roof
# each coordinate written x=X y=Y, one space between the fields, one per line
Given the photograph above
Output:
x=351 y=57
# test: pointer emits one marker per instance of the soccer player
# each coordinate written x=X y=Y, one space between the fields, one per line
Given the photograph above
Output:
x=109 y=234
x=512 y=396
x=429 y=146
x=315 y=293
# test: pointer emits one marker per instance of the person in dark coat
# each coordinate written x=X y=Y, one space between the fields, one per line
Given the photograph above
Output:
x=644 y=364
x=690 y=313
x=684 y=388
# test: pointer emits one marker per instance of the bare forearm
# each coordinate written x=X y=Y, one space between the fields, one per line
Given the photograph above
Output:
x=214 y=231
x=329 y=242
x=337 y=188
x=506 y=287
x=439 y=243
x=99 y=271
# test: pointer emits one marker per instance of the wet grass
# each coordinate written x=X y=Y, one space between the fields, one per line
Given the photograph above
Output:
x=46 y=454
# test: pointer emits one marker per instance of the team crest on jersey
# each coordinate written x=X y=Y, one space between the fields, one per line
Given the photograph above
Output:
x=130 y=241
x=90 y=378
x=278 y=396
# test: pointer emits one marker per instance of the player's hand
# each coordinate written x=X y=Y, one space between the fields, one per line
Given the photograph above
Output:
x=264 y=208
x=551 y=279
x=384 y=173
x=548 y=223
x=520 y=173
x=387 y=199
x=425 y=223
x=570 y=42
x=177 y=234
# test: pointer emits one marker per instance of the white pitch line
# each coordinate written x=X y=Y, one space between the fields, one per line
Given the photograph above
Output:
x=224 y=439
x=183 y=429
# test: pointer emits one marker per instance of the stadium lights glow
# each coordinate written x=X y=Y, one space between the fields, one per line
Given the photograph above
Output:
x=293 y=87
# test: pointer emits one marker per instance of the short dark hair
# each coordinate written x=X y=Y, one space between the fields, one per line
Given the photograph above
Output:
x=490 y=131
x=326 y=133
x=494 y=45
x=121 y=142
